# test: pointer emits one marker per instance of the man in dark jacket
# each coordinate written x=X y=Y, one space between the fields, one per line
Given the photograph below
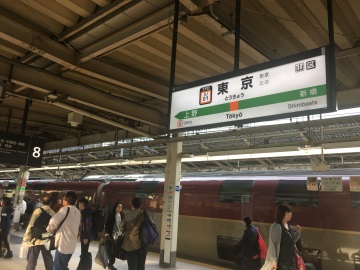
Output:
x=248 y=247
x=85 y=230
x=5 y=226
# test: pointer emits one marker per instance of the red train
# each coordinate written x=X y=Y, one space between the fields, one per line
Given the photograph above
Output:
x=212 y=206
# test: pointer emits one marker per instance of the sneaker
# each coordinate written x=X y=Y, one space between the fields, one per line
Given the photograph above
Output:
x=9 y=254
x=111 y=267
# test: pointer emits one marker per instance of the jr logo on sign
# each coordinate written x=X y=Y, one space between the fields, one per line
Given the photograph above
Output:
x=299 y=67
x=311 y=64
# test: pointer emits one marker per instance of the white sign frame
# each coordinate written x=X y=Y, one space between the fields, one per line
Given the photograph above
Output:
x=293 y=86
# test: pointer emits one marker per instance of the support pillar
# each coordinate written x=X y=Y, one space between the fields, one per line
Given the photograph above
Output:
x=170 y=214
x=19 y=195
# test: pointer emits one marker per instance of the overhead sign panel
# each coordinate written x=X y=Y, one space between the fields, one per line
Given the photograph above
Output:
x=286 y=87
x=17 y=149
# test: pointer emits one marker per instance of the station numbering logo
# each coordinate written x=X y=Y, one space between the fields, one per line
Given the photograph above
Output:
x=205 y=96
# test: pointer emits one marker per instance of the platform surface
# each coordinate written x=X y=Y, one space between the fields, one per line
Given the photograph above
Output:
x=152 y=260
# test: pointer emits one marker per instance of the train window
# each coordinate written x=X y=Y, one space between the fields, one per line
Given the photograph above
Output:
x=146 y=189
x=295 y=193
x=226 y=247
x=36 y=192
x=235 y=191
x=355 y=200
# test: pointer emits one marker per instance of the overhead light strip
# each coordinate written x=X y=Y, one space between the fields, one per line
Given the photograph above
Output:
x=273 y=152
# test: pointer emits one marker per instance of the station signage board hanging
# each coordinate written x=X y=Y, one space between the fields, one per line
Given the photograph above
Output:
x=18 y=149
x=355 y=183
x=288 y=87
x=312 y=183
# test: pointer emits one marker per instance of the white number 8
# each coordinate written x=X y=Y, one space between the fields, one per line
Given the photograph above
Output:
x=36 y=153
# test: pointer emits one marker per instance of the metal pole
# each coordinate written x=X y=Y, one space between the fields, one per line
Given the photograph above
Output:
x=173 y=54
x=331 y=55
x=8 y=123
x=28 y=103
x=237 y=35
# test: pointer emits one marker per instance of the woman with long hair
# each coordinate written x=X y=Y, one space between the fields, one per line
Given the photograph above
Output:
x=112 y=229
x=282 y=240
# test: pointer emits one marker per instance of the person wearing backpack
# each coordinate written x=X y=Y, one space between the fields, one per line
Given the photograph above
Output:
x=66 y=234
x=248 y=248
x=37 y=225
x=132 y=225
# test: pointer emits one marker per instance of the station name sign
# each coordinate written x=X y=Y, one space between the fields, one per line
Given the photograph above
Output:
x=18 y=149
x=288 y=87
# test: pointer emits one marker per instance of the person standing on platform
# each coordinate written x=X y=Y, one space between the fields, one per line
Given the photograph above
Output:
x=66 y=236
x=23 y=216
x=58 y=205
x=136 y=251
x=38 y=204
x=36 y=245
x=282 y=240
x=28 y=212
x=85 y=229
x=112 y=229
x=24 y=207
x=5 y=226
x=249 y=246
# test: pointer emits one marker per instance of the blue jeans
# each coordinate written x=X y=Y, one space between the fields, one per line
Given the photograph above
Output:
x=61 y=260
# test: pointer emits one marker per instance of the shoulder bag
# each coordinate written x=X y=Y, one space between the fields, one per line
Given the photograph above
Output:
x=49 y=238
x=262 y=245
x=300 y=264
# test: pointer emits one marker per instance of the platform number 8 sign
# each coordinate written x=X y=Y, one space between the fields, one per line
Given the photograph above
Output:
x=36 y=152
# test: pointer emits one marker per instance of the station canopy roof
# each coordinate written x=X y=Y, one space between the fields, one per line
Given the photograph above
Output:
x=97 y=72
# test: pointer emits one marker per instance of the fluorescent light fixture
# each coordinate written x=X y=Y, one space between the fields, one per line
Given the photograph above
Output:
x=308 y=151
x=195 y=158
x=9 y=170
x=255 y=150
x=341 y=145
x=149 y=158
x=342 y=150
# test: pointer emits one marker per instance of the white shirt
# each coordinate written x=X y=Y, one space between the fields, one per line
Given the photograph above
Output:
x=66 y=236
x=116 y=229
x=24 y=206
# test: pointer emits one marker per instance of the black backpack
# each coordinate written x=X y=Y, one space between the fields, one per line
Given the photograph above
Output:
x=40 y=224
